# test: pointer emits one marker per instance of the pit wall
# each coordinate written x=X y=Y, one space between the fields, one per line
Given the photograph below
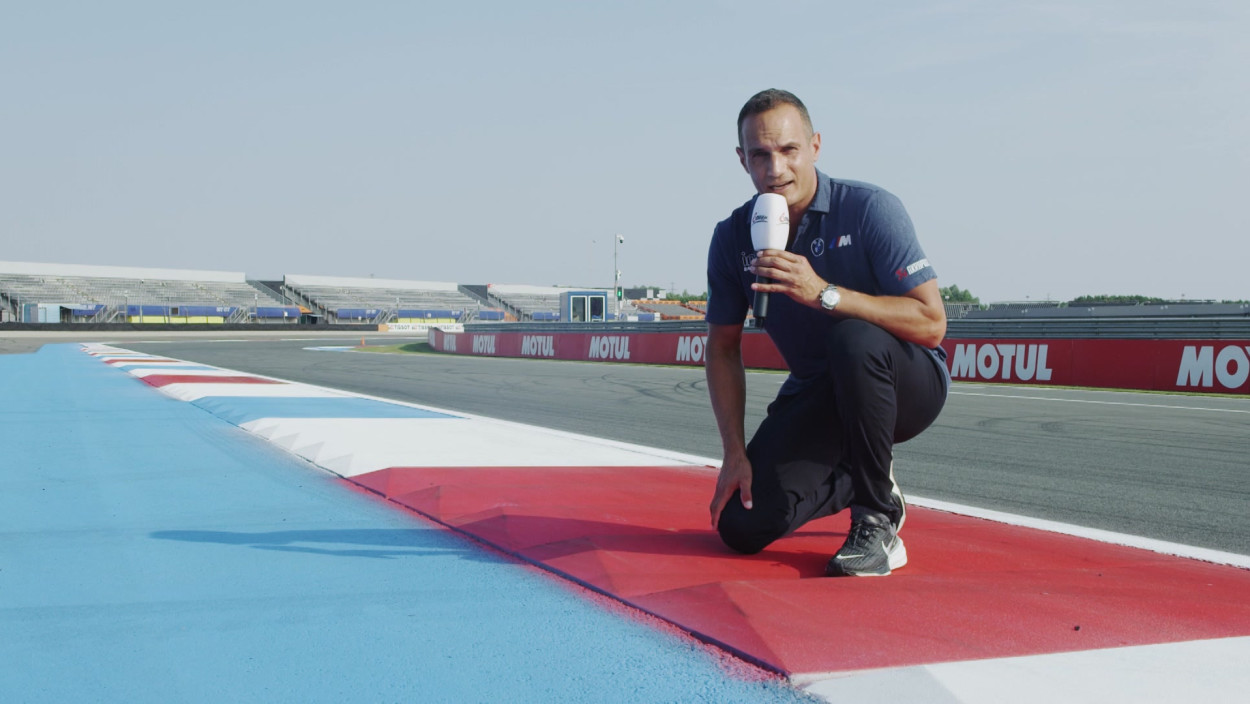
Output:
x=1215 y=366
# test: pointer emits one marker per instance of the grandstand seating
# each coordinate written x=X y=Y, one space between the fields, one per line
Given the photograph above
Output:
x=955 y=311
x=669 y=310
x=106 y=290
x=529 y=302
x=382 y=300
x=36 y=292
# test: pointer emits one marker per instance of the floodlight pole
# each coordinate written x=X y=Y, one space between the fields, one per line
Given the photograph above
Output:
x=616 y=281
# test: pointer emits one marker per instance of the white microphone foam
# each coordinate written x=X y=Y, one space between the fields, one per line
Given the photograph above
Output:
x=770 y=222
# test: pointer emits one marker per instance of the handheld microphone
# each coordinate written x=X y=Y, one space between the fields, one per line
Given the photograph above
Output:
x=770 y=229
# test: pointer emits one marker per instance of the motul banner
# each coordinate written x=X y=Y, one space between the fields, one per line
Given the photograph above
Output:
x=639 y=348
x=1219 y=366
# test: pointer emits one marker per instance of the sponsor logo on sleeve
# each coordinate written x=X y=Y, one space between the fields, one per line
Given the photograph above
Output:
x=911 y=269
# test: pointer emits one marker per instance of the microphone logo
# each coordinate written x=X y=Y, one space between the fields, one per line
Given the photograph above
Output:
x=762 y=217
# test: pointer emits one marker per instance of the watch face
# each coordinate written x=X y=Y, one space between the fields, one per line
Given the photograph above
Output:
x=829 y=298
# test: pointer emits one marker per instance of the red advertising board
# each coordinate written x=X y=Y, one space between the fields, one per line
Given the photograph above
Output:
x=639 y=348
x=1217 y=366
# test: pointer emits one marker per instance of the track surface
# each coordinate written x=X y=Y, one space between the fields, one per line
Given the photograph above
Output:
x=1173 y=468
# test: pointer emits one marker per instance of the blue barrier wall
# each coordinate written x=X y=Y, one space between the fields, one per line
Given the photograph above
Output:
x=277 y=312
x=212 y=311
x=427 y=313
x=186 y=311
x=85 y=309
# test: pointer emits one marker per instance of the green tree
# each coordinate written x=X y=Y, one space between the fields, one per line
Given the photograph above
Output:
x=1122 y=300
x=686 y=296
x=954 y=294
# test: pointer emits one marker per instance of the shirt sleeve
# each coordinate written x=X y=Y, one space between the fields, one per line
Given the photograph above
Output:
x=726 y=302
x=898 y=262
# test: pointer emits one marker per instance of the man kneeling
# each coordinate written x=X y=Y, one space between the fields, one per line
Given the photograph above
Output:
x=856 y=313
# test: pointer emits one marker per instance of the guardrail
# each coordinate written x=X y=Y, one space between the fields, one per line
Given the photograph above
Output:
x=1153 y=328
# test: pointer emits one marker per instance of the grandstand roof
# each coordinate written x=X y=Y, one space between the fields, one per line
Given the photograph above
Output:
x=119 y=272
x=345 y=282
x=535 y=290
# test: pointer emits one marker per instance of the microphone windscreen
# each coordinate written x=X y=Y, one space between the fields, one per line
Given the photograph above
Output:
x=770 y=222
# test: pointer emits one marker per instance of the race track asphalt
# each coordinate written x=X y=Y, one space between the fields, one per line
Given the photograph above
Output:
x=1167 y=467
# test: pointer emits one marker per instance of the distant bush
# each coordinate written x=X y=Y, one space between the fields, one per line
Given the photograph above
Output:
x=954 y=294
x=1120 y=300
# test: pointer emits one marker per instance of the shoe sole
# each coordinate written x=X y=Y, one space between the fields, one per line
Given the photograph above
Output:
x=896 y=558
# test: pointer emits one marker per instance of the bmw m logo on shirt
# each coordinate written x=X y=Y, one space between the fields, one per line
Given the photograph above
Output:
x=818 y=246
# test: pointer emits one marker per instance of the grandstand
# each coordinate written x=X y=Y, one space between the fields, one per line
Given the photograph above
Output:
x=528 y=302
x=669 y=310
x=382 y=300
x=544 y=303
x=69 y=293
x=110 y=293
x=1174 y=309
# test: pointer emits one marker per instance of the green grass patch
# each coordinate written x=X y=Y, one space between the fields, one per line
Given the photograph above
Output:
x=410 y=348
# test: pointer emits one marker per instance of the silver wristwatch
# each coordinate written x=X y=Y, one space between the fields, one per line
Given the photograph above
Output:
x=830 y=297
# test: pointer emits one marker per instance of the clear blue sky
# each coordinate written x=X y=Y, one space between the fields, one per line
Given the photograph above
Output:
x=1057 y=148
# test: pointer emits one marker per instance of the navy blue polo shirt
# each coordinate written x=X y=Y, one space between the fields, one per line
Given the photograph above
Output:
x=855 y=235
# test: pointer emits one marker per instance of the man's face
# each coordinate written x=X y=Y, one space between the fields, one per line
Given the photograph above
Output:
x=780 y=155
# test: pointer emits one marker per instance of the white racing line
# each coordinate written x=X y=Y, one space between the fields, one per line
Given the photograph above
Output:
x=1104 y=403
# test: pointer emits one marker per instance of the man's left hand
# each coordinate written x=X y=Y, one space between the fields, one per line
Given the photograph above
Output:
x=791 y=274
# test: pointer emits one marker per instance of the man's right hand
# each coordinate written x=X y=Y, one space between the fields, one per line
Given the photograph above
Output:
x=735 y=474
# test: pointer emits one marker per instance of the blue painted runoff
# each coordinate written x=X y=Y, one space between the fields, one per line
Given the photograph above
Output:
x=202 y=564
x=242 y=409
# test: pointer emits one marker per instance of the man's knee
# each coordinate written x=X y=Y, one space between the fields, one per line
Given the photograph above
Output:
x=748 y=531
x=854 y=343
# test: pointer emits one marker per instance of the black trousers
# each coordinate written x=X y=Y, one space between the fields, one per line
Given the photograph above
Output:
x=831 y=446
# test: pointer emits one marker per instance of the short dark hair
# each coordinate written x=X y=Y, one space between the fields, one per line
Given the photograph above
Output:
x=766 y=100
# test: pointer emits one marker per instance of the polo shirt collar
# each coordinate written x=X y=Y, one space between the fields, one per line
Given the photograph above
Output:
x=824 y=194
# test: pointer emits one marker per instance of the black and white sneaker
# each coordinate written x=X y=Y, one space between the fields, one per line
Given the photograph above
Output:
x=872 y=549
